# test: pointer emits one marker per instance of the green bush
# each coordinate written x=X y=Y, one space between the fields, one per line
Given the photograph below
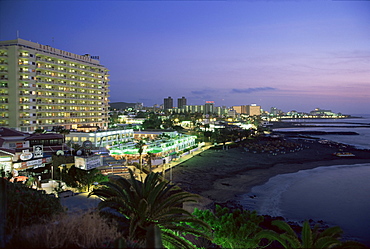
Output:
x=234 y=228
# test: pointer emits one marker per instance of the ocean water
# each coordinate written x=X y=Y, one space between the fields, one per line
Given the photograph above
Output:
x=361 y=141
x=338 y=195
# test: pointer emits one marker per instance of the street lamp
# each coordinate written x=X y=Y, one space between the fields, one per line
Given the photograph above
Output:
x=170 y=171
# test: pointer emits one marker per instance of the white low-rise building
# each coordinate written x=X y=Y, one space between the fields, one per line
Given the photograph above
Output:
x=102 y=139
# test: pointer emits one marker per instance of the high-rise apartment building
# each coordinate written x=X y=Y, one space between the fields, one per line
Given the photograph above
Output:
x=194 y=108
x=209 y=107
x=45 y=87
x=168 y=103
x=181 y=102
x=251 y=110
x=240 y=109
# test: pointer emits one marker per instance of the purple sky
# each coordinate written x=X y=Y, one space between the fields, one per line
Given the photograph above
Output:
x=288 y=54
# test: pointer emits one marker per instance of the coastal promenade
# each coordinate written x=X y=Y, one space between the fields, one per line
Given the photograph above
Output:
x=168 y=167
x=80 y=201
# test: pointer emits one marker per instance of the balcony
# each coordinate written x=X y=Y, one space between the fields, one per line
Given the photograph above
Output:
x=51 y=82
x=67 y=77
x=51 y=69
x=25 y=94
x=55 y=62
x=64 y=117
x=65 y=104
x=48 y=61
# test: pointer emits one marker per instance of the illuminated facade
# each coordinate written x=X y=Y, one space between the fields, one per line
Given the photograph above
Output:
x=174 y=143
x=44 y=87
x=102 y=139
x=209 y=107
x=240 y=109
x=251 y=110
x=193 y=108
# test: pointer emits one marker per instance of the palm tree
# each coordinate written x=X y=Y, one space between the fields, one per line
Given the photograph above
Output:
x=149 y=156
x=64 y=132
x=140 y=145
x=223 y=136
x=39 y=131
x=73 y=146
x=309 y=238
x=148 y=203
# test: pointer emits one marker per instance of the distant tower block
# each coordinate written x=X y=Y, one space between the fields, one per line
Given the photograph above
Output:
x=181 y=102
x=168 y=103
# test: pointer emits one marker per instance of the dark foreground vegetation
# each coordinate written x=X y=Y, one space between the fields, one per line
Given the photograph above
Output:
x=149 y=214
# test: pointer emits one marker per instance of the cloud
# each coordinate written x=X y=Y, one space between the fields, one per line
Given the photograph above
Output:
x=202 y=92
x=251 y=90
x=199 y=92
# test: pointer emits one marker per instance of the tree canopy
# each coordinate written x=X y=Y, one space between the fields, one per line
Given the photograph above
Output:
x=148 y=203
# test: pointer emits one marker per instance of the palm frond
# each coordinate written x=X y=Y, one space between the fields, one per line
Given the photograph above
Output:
x=327 y=242
x=306 y=235
x=176 y=240
x=284 y=226
x=273 y=236
x=335 y=231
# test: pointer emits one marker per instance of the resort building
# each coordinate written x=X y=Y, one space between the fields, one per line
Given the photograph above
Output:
x=251 y=110
x=162 y=145
x=30 y=153
x=44 y=87
x=209 y=107
x=240 y=109
x=322 y=112
x=193 y=108
x=221 y=111
x=102 y=139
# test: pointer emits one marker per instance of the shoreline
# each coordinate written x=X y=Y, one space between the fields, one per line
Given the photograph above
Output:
x=221 y=176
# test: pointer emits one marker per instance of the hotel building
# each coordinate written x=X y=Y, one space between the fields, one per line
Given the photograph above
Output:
x=251 y=110
x=44 y=87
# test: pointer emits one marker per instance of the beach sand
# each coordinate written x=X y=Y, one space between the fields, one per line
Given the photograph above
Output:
x=219 y=176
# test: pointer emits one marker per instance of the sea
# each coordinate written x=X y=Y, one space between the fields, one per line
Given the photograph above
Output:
x=335 y=195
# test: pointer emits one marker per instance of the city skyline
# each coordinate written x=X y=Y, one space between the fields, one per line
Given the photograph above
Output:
x=291 y=55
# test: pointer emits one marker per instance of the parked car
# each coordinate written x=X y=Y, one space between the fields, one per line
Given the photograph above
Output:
x=65 y=193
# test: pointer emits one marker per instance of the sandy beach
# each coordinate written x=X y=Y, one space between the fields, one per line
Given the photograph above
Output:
x=221 y=175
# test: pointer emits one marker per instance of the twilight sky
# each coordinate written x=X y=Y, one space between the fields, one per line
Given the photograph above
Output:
x=287 y=54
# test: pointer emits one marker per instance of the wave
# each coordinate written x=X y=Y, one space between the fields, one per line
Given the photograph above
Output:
x=267 y=198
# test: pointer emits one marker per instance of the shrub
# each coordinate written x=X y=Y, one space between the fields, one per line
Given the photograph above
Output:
x=81 y=230
x=26 y=206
